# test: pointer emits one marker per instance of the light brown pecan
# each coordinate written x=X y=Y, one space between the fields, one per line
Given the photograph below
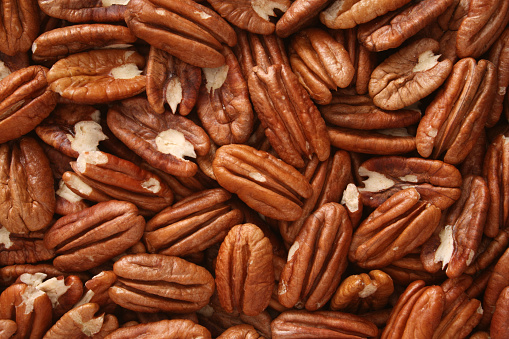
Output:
x=321 y=63
x=23 y=248
x=362 y=292
x=170 y=329
x=20 y=25
x=408 y=75
x=317 y=259
x=27 y=196
x=98 y=76
x=77 y=11
x=171 y=80
x=62 y=41
x=455 y=243
x=223 y=104
x=241 y=332
x=455 y=119
x=263 y=182
x=244 y=271
x=96 y=290
x=417 y=312
x=193 y=224
x=436 y=181
x=397 y=227
x=162 y=140
x=156 y=282
x=90 y=237
x=498 y=328
x=483 y=24
x=9 y=274
x=7 y=328
x=183 y=28
x=25 y=101
x=300 y=14
x=409 y=269
x=321 y=324
x=394 y=28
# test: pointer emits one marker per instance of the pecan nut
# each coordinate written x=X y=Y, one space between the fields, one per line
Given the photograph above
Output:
x=77 y=11
x=20 y=25
x=175 y=329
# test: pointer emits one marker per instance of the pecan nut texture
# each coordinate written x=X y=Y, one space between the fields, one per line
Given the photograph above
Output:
x=498 y=55
x=20 y=25
x=263 y=182
x=154 y=282
x=455 y=119
x=87 y=239
x=183 y=28
x=244 y=271
x=23 y=248
x=76 y=11
x=27 y=196
x=316 y=259
x=163 y=140
x=174 y=329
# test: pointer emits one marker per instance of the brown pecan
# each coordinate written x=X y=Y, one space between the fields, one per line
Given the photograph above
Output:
x=25 y=101
x=408 y=75
x=60 y=42
x=29 y=307
x=241 y=332
x=499 y=56
x=483 y=24
x=300 y=14
x=156 y=282
x=122 y=180
x=397 y=227
x=252 y=16
x=392 y=29
x=489 y=251
x=27 y=196
x=7 y=328
x=317 y=259
x=498 y=328
x=362 y=292
x=90 y=237
x=321 y=324
x=20 y=25
x=244 y=271
x=9 y=274
x=163 y=140
x=496 y=172
x=347 y=14
x=193 y=224
x=417 y=312
x=456 y=241
x=265 y=183
x=171 y=329
x=409 y=268
x=455 y=119
x=223 y=104
x=460 y=321
x=98 y=76
x=96 y=289
x=77 y=11
x=183 y=28
x=22 y=248
x=171 y=80
x=321 y=63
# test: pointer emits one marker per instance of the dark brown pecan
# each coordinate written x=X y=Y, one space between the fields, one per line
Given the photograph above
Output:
x=396 y=228
x=183 y=28
x=60 y=42
x=193 y=224
x=408 y=75
x=456 y=241
x=417 y=312
x=156 y=282
x=162 y=140
x=25 y=101
x=171 y=80
x=392 y=29
x=171 y=329
x=321 y=324
x=98 y=76
x=455 y=119
x=27 y=196
x=436 y=181
x=483 y=24
x=362 y=292
x=317 y=259
x=223 y=104
x=90 y=237
x=20 y=25
x=263 y=182
x=244 y=271
x=77 y=11
x=489 y=251
x=499 y=56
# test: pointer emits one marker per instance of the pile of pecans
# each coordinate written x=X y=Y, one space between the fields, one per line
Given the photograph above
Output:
x=254 y=169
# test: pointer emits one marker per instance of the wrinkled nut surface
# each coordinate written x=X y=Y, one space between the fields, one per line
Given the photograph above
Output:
x=244 y=271
x=23 y=249
x=90 y=237
x=263 y=182
x=408 y=75
x=20 y=25
x=79 y=12
x=300 y=14
x=241 y=332
x=156 y=282
x=171 y=329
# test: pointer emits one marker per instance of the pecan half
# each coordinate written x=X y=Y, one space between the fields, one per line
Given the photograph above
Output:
x=175 y=329
x=244 y=271
x=77 y=11
x=300 y=14
x=23 y=248
x=498 y=330
x=499 y=56
x=240 y=332
x=20 y=25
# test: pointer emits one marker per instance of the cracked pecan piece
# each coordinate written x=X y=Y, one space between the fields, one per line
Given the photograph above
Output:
x=265 y=183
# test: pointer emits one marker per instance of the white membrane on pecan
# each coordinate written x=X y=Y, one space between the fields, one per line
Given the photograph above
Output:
x=79 y=186
x=90 y=327
x=153 y=185
x=5 y=238
x=215 y=77
x=446 y=248
x=53 y=287
x=265 y=8
x=427 y=60
x=90 y=157
x=4 y=70
x=257 y=176
x=375 y=182
x=87 y=136
x=174 y=93
x=126 y=71
x=85 y=299
x=173 y=142
x=292 y=250
x=367 y=291
x=108 y=3
x=65 y=193
x=351 y=198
